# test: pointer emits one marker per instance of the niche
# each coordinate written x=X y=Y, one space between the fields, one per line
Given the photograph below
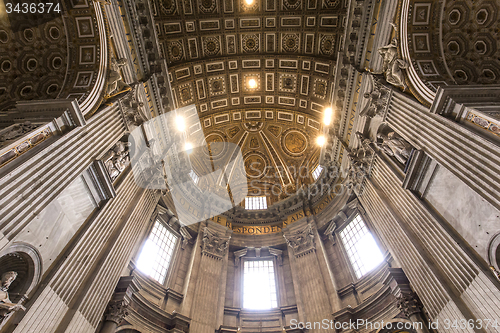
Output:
x=24 y=260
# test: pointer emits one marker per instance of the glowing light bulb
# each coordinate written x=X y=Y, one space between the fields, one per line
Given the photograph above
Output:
x=249 y=2
x=179 y=121
x=327 y=116
x=320 y=140
x=252 y=84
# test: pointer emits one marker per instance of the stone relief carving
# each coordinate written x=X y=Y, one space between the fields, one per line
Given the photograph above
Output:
x=393 y=65
x=6 y=306
x=301 y=242
x=15 y=131
x=394 y=145
x=117 y=159
x=214 y=244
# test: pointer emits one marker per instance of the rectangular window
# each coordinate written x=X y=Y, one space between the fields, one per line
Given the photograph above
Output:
x=255 y=203
x=259 y=285
x=361 y=247
x=194 y=177
x=157 y=252
x=317 y=172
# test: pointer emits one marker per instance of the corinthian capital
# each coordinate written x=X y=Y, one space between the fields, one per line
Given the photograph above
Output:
x=214 y=244
x=302 y=241
x=409 y=304
x=116 y=311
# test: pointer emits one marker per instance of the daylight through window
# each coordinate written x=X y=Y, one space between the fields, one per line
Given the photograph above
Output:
x=194 y=177
x=361 y=247
x=317 y=172
x=255 y=203
x=157 y=252
x=259 y=290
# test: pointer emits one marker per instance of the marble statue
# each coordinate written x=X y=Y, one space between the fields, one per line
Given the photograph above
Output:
x=6 y=306
x=394 y=145
x=393 y=65
x=115 y=80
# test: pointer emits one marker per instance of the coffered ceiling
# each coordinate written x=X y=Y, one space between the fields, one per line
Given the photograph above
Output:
x=261 y=74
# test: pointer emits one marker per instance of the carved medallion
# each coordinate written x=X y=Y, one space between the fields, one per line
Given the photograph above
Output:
x=295 y=142
x=211 y=45
x=290 y=42
x=250 y=43
x=255 y=165
x=208 y=6
x=167 y=6
x=214 y=147
x=327 y=44
x=175 y=51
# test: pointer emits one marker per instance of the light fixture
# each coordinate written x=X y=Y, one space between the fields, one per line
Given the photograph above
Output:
x=249 y=2
x=188 y=147
x=179 y=121
x=320 y=140
x=327 y=116
x=252 y=84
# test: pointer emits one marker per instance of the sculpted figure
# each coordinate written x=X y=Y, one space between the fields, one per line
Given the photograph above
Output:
x=393 y=66
x=394 y=145
x=117 y=159
x=6 y=306
x=376 y=98
x=115 y=82
x=133 y=117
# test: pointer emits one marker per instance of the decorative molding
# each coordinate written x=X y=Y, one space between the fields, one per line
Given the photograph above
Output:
x=278 y=254
x=238 y=255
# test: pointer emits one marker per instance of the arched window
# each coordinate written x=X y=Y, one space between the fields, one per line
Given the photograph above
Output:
x=157 y=252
